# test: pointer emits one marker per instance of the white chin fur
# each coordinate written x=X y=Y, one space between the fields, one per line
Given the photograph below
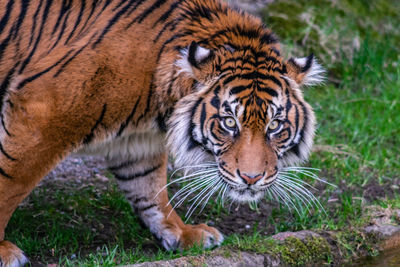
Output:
x=246 y=196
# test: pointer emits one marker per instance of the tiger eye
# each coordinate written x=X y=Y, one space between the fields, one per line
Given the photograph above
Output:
x=230 y=122
x=273 y=125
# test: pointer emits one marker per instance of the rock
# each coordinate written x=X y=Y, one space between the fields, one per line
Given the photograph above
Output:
x=384 y=231
x=397 y=215
x=379 y=215
x=389 y=233
x=302 y=235
x=242 y=259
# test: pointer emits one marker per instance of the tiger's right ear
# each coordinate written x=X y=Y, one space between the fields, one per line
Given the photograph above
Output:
x=197 y=62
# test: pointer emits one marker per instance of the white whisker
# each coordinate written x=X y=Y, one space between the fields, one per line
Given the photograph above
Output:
x=204 y=199
x=298 y=195
x=226 y=189
x=287 y=176
x=286 y=195
x=308 y=173
x=191 y=187
x=196 y=175
x=279 y=196
x=305 y=192
x=198 y=197
x=217 y=187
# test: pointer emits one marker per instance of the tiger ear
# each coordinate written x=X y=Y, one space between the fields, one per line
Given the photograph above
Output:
x=305 y=71
x=196 y=61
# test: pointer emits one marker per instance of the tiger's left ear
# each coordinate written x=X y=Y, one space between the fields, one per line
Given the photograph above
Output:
x=305 y=71
x=197 y=62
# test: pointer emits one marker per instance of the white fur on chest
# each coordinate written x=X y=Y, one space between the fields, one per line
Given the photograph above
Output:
x=133 y=145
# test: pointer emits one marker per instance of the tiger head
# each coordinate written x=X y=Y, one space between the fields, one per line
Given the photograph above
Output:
x=246 y=114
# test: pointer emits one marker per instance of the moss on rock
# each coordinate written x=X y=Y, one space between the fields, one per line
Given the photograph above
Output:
x=295 y=252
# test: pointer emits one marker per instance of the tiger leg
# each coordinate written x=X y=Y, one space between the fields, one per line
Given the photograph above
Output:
x=143 y=183
x=29 y=148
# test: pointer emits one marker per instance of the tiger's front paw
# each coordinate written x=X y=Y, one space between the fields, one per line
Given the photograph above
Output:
x=202 y=235
x=191 y=235
x=11 y=255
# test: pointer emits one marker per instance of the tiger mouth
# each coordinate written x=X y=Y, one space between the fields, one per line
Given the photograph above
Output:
x=246 y=193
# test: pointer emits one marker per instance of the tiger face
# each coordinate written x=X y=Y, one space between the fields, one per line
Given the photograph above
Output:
x=246 y=114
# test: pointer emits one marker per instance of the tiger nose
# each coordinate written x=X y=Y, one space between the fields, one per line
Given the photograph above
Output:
x=250 y=178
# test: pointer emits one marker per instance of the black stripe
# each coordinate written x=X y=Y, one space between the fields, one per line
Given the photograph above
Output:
x=78 y=20
x=166 y=25
x=112 y=21
x=71 y=58
x=268 y=38
x=44 y=18
x=215 y=102
x=296 y=148
x=172 y=81
x=259 y=77
x=226 y=177
x=297 y=120
x=2 y=172
x=34 y=21
x=106 y=4
x=272 y=60
x=282 y=132
x=63 y=10
x=268 y=90
x=193 y=142
x=133 y=8
x=216 y=137
x=63 y=27
x=148 y=11
x=163 y=118
x=122 y=165
x=5 y=43
x=90 y=136
x=308 y=63
x=198 y=12
x=4 y=125
x=121 y=2
x=239 y=89
x=192 y=54
x=148 y=102
x=147 y=207
x=236 y=68
x=136 y=175
x=4 y=85
x=168 y=13
x=6 y=17
x=24 y=8
x=92 y=9
x=5 y=153
x=288 y=102
x=129 y=118
x=37 y=75
x=139 y=200
x=174 y=37
x=203 y=117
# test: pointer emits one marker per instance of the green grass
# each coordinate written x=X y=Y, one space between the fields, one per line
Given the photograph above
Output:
x=358 y=133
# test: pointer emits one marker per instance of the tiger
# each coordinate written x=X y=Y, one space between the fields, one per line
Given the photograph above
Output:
x=137 y=80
